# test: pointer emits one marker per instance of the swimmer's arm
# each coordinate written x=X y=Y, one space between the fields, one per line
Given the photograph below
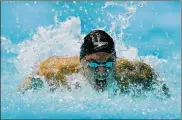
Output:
x=166 y=90
x=30 y=83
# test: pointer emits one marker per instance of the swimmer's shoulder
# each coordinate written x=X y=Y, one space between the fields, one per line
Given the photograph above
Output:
x=55 y=69
x=136 y=72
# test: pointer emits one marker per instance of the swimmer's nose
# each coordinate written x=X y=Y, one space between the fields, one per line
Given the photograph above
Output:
x=101 y=69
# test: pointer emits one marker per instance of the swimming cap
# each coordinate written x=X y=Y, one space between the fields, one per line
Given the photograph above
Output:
x=97 y=41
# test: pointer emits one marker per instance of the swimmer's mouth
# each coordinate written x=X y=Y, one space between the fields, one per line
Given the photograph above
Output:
x=101 y=83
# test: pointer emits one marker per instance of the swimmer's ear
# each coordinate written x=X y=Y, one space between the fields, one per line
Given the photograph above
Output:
x=84 y=59
x=82 y=69
x=81 y=64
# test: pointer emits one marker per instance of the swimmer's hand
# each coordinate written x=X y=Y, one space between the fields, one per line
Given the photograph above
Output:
x=30 y=83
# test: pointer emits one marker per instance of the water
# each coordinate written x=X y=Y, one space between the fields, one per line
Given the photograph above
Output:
x=33 y=31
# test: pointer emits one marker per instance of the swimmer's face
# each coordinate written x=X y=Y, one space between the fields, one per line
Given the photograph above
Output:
x=98 y=68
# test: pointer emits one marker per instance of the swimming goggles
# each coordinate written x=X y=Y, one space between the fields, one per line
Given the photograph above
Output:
x=94 y=65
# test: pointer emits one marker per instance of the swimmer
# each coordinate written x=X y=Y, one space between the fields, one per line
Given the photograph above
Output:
x=98 y=63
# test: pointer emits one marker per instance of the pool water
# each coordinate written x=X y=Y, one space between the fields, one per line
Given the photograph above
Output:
x=33 y=31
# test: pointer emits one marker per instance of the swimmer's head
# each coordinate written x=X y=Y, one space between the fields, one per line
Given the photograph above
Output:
x=98 y=58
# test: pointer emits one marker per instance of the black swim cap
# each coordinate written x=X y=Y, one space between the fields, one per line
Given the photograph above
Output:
x=97 y=41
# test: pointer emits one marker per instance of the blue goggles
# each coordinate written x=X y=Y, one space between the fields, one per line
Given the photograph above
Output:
x=94 y=65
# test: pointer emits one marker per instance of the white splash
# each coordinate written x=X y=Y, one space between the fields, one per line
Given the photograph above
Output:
x=48 y=41
x=154 y=61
